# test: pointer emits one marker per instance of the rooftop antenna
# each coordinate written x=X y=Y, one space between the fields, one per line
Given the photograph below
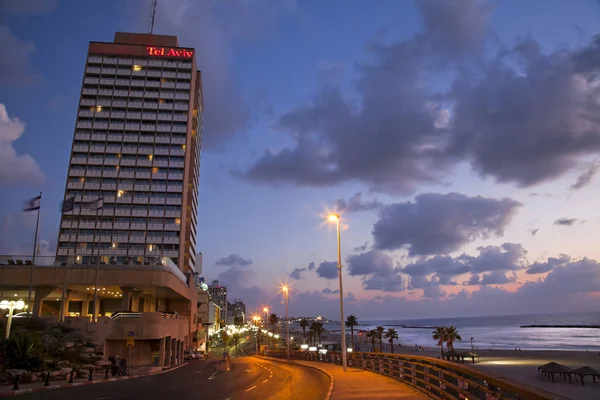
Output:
x=151 y=16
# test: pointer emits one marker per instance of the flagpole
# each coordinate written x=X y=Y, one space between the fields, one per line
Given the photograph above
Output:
x=37 y=225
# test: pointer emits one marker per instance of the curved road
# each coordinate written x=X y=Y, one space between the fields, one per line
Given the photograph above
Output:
x=249 y=378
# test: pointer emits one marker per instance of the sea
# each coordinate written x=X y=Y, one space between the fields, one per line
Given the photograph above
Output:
x=499 y=332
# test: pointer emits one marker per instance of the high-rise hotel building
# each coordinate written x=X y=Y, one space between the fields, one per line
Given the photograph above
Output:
x=136 y=153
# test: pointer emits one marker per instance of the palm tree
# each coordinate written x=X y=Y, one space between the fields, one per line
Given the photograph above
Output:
x=372 y=334
x=317 y=327
x=304 y=325
x=273 y=320
x=351 y=322
x=391 y=334
x=452 y=335
x=440 y=335
x=380 y=330
x=311 y=335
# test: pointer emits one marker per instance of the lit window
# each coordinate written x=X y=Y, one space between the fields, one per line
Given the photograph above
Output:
x=137 y=68
x=150 y=157
x=92 y=108
x=117 y=167
x=150 y=247
x=154 y=170
x=183 y=146
x=120 y=193
x=82 y=179
x=161 y=101
x=98 y=108
x=178 y=221
x=114 y=245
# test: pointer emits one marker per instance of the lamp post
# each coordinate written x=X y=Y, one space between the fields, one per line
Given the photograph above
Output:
x=336 y=218
x=256 y=320
x=11 y=305
x=287 y=325
x=266 y=311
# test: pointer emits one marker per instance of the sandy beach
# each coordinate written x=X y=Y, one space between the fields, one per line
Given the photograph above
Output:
x=521 y=366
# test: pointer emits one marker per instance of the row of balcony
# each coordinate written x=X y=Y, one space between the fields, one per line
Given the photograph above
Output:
x=136 y=83
x=131 y=104
x=81 y=172
x=101 y=124
x=130 y=138
x=118 y=252
x=136 y=93
x=106 y=71
x=116 y=161
x=75 y=224
x=118 y=239
x=174 y=201
x=119 y=212
x=97 y=59
x=107 y=113
x=133 y=187
x=129 y=149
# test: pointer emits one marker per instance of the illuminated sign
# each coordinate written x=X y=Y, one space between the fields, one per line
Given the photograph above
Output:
x=169 y=52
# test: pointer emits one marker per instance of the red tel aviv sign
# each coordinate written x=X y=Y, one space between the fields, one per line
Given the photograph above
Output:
x=166 y=52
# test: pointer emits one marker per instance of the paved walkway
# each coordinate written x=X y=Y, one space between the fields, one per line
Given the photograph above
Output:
x=357 y=384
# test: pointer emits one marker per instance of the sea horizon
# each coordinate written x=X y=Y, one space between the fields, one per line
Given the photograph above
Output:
x=498 y=331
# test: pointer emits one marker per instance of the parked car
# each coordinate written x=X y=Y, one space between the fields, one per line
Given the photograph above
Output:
x=198 y=355
x=188 y=355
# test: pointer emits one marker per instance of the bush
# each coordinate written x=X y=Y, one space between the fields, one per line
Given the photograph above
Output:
x=22 y=351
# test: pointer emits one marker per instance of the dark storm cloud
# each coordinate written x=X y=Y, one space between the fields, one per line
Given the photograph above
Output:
x=441 y=223
x=492 y=278
x=586 y=177
x=356 y=204
x=565 y=221
x=327 y=270
x=311 y=266
x=234 y=260
x=497 y=116
x=297 y=273
x=548 y=265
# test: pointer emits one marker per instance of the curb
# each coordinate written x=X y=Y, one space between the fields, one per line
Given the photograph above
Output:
x=331 y=384
x=68 y=385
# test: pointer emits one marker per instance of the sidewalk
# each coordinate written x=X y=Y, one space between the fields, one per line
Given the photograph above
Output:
x=357 y=384
x=138 y=372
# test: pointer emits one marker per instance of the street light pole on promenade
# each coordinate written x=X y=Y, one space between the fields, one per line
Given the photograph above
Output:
x=336 y=219
x=287 y=323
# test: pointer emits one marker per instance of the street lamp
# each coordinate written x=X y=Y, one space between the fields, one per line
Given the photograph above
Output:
x=285 y=290
x=266 y=311
x=256 y=319
x=11 y=305
x=336 y=218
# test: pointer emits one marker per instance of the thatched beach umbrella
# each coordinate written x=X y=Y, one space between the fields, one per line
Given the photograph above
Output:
x=554 y=368
x=586 y=371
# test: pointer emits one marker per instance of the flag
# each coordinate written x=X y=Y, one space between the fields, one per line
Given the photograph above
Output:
x=94 y=204
x=33 y=204
x=68 y=204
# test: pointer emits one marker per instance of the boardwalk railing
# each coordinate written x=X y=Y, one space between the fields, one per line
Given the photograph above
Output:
x=439 y=379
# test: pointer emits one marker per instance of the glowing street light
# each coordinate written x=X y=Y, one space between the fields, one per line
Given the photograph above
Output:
x=285 y=289
x=11 y=306
x=256 y=319
x=336 y=218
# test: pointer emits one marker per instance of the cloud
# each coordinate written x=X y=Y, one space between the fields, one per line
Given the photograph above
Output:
x=30 y=7
x=213 y=27
x=586 y=177
x=328 y=270
x=441 y=223
x=311 y=266
x=493 y=116
x=377 y=271
x=297 y=273
x=455 y=27
x=15 y=168
x=362 y=247
x=548 y=265
x=234 y=260
x=329 y=291
x=565 y=221
x=488 y=267
x=16 y=69
x=355 y=204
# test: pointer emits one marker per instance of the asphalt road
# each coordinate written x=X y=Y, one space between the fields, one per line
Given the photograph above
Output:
x=249 y=378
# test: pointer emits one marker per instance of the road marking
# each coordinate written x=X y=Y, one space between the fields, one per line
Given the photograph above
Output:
x=271 y=375
x=213 y=375
x=265 y=381
x=249 y=389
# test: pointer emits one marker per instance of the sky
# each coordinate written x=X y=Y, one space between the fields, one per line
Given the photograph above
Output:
x=458 y=140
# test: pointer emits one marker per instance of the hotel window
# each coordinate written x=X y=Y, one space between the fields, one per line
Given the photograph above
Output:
x=137 y=68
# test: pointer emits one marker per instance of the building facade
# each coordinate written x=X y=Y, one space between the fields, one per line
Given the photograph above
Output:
x=126 y=265
x=237 y=308
x=136 y=151
x=218 y=295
